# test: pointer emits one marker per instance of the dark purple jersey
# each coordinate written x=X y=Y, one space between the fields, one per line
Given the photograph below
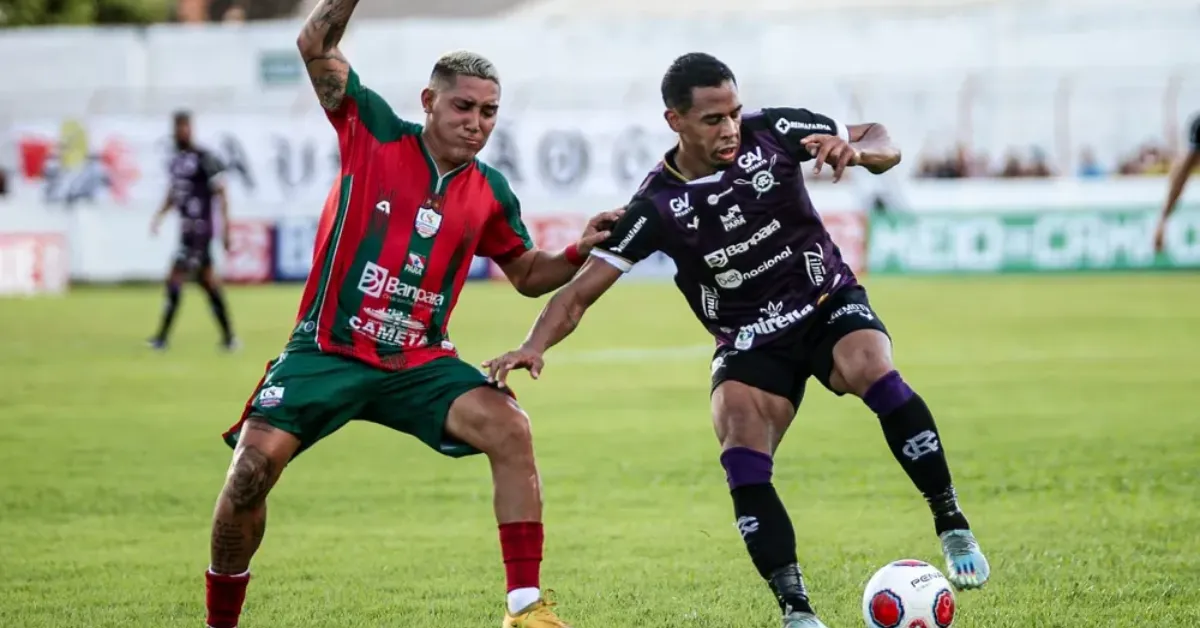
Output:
x=194 y=173
x=752 y=256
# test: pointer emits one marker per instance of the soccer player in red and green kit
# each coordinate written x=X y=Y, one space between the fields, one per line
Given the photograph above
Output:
x=413 y=207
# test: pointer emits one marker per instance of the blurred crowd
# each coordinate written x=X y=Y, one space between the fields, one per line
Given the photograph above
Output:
x=1149 y=159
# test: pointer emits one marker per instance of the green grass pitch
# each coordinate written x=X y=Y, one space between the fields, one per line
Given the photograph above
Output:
x=1068 y=406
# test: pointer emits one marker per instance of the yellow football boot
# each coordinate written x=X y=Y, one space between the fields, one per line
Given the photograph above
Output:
x=540 y=614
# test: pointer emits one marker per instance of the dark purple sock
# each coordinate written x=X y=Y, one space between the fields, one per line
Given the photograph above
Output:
x=887 y=394
x=744 y=467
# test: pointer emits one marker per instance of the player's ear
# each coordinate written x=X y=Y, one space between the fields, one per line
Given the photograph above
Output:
x=427 y=98
x=673 y=120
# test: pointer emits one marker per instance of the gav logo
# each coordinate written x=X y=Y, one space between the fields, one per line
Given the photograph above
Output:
x=814 y=263
x=376 y=281
x=681 y=206
x=734 y=278
x=753 y=160
x=763 y=180
x=720 y=257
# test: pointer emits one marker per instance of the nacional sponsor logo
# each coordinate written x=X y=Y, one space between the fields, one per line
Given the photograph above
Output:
x=720 y=257
x=633 y=231
x=710 y=301
x=734 y=278
x=785 y=126
x=390 y=327
x=376 y=281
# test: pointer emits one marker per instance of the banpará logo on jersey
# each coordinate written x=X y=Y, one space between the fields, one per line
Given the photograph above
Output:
x=376 y=281
x=390 y=327
x=774 y=319
x=785 y=126
x=710 y=302
x=732 y=279
x=750 y=161
x=763 y=180
x=720 y=257
x=428 y=222
x=681 y=206
x=416 y=264
x=633 y=231
x=814 y=263
x=733 y=219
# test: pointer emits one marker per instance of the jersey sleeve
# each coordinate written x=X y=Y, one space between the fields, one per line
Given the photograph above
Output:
x=363 y=106
x=636 y=236
x=504 y=236
x=791 y=126
x=212 y=167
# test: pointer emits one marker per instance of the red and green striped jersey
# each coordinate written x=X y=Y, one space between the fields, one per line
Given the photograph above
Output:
x=397 y=240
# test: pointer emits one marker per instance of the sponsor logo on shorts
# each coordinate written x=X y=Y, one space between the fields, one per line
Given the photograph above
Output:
x=855 y=309
x=376 y=281
x=270 y=397
x=774 y=319
x=720 y=258
x=731 y=279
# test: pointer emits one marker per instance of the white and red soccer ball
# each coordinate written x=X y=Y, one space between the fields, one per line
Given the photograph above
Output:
x=908 y=594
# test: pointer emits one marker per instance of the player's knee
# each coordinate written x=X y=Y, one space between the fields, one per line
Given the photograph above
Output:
x=510 y=435
x=249 y=479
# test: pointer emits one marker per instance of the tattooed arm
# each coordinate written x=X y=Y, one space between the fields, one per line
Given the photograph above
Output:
x=318 y=41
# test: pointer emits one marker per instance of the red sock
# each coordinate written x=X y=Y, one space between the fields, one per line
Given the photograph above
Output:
x=521 y=545
x=225 y=595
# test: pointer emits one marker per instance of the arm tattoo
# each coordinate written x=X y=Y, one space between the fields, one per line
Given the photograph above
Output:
x=318 y=42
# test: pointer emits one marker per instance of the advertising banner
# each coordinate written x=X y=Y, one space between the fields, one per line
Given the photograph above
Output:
x=1119 y=239
x=33 y=264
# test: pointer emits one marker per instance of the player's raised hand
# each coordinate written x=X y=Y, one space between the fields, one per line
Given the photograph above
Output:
x=832 y=150
x=523 y=358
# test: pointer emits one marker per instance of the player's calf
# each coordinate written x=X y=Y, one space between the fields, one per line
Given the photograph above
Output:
x=749 y=423
x=493 y=423
x=240 y=517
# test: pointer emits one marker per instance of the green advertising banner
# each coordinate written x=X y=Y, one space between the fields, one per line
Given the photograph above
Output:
x=1026 y=241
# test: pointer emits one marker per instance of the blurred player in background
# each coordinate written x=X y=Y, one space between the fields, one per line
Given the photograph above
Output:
x=1177 y=180
x=414 y=206
x=198 y=194
x=760 y=272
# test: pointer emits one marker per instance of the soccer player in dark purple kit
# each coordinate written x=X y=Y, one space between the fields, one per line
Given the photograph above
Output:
x=198 y=194
x=759 y=270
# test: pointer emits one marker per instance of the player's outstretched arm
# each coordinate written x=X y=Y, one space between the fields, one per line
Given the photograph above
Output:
x=318 y=42
x=876 y=151
x=558 y=319
x=538 y=272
